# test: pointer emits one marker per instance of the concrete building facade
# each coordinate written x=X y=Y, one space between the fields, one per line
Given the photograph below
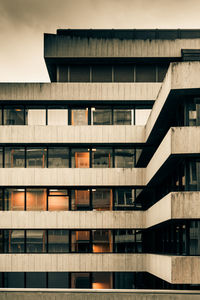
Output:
x=100 y=169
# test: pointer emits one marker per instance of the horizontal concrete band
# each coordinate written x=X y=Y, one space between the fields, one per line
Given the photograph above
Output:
x=174 y=269
x=79 y=91
x=176 y=205
x=72 y=134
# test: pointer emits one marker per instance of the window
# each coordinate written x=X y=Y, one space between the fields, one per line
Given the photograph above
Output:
x=101 y=116
x=36 y=241
x=146 y=73
x=58 y=241
x=1 y=199
x=124 y=158
x=102 y=158
x=80 y=241
x=58 y=200
x=102 y=280
x=80 y=281
x=102 y=73
x=36 y=199
x=80 y=199
x=62 y=71
x=123 y=73
x=122 y=116
x=125 y=241
x=124 y=199
x=57 y=116
x=36 y=157
x=14 y=199
x=14 y=157
x=36 y=116
x=124 y=280
x=58 y=280
x=141 y=116
x=14 y=280
x=79 y=116
x=14 y=241
x=80 y=158
x=1 y=157
x=14 y=116
x=102 y=199
x=36 y=280
x=79 y=73
x=101 y=241
x=58 y=157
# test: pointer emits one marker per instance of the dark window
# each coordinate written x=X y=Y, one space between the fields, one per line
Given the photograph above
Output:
x=101 y=280
x=14 y=157
x=102 y=158
x=80 y=280
x=124 y=199
x=162 y=70
x=1 y=241
x=58 y=241
x=102 y=199
x=79 y=73
x=102 y=73
x=80 y=241
x=101 y=116
x=58 y=157
x=14 y=280
x=36 y=241
x=125 y=241
x=146 y=73
x=14 y=241
x=36 y=199
x=124 y=158
x=124 y=280
x=36 y=280
x=80 y=158
x=14 y=199
x=63 y=73
x=1 y=199
x=36 y=157
x=102 y=241
x=122 y=117
x=80 y=199
x=124 y=73
x=14 y=116
x=58 y=280
x=58 y=200
x=1 y=157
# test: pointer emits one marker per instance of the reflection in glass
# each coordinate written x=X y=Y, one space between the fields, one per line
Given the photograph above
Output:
x=101 y=116
x=36 y=199
x=80 y=199
x=124 y=158
x=101 y=241
x=80 y=158
x=14 y=157
x=124 y=241
x=58 y=157
x=122 y=116
x=79 y=116
x=141 y=116
x=36 y=157
x=102 y=280
x=14 y=199
x=102 y=199
x=58 y=241
x=14 y=116
x=102 y=158
x=124 y=199
x=14 y=241
x=36 y=280
x=58 y=200
x=80 y=280
x=36 y=241
x=80 y=241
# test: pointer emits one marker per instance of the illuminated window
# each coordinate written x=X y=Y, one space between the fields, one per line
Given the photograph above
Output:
x=79 y=116
x=101 y=280
x=14 y=199
x=80 y=241
x=36 y=199
x=80 y=199
x=80 y=158
x=102 y=241
x=58 y=200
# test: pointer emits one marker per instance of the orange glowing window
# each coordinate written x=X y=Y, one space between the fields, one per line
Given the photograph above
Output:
x=79 y=117
x=14 y=199
x=36 y=199
x=58 y=200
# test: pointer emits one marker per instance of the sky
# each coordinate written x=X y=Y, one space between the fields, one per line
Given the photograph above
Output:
x=23 y=23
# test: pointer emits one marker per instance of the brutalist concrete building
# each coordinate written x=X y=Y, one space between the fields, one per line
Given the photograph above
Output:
x=100 y=169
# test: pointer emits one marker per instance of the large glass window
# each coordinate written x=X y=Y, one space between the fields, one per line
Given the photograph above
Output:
x=80 y=281
x=125 y=241
x=80 y=199
x=124 y=73
x=122 y=116
x=36 y=241
x=58 y=280
x=141 y=116
x=124 y=158
x=36 y=280
x=101 y=116
x=194 y=175
x=79 y=116
x=102 y=241
x=36 y=199
x=14 y=241
x=14 y=280
x=102 y=280
x=138 y=239
x=36 y=116
x=14 y=116
x=57 y=116
x=58 y=157
x=79 y=73
x=36 y=157
x=102 y=158
x=80 y=241
x=102 y=199
x=14 y=157
x=124 y=280
x=124 y=199
x=102 y=73
x=146 y=73
x=14 y=199
x=58 y=241
x=58 y=200
x=80 y=158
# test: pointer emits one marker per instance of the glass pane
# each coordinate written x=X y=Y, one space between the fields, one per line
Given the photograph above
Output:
x=1 y=241
x=102 y=280
x=79 y=116
x=80 y=281
x=101 y=116
x=36 y=241
x=57 y=117
x=36 y=199
x=14 y=116
x=123 y=73
x=36 y=280
x=14 y=157
x=80 y=241
x=194 y=176
x=14 y=199
x=125 y=241
x=141 y=116
x=62 y=73
x=36 y=116
x=80 y=199
x=36 y=158
x=0 y=116
x=194 y=234
x=124 y=158
x=138 y=239
x=58 y=280
x=58 y=241
x=1 y=157
x=80 y=158
x=102 y=241
x=58 y=157
x=102 y=73
x=58 y=200
x=124 y=199
x=102 y=199
x=124 y=280
x=123 y=116
x=102 y=158
x=146 y=73
x=14 y=241
x=79 y=73
x=1 y=199
x=14 y=280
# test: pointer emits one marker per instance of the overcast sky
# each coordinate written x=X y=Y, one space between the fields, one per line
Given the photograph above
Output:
x=23 y=22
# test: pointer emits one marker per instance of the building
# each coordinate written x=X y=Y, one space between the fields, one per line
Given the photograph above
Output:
x=100 y=169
